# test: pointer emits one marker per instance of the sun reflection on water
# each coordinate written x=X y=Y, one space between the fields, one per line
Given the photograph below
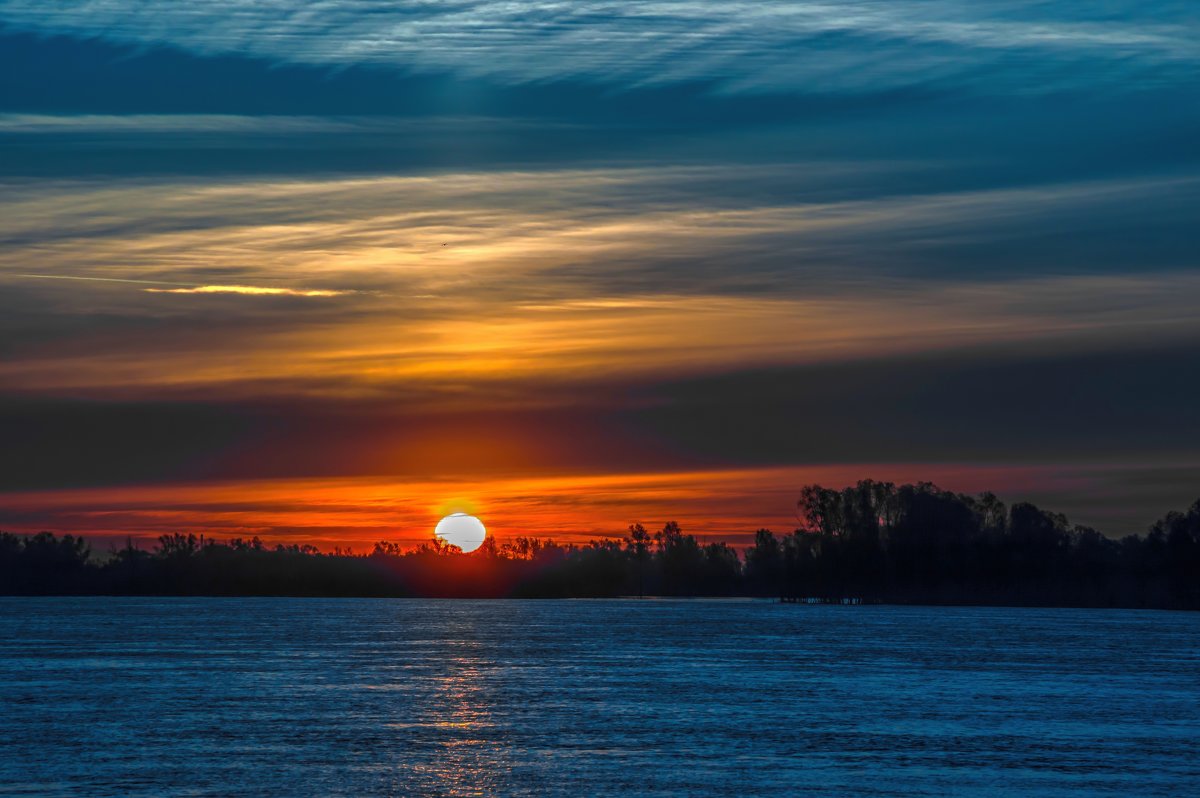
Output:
x=468 y=756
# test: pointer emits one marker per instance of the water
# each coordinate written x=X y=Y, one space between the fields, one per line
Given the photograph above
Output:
x=361 y=697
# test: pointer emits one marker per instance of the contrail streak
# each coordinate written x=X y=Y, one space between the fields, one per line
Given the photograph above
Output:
x=195 y=288
x=93 y=279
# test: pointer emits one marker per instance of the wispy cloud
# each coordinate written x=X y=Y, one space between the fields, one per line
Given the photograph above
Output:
x=383 y=347
x=536 y=275
x=270 y=124
x=248 y=290
x=1020 y=45
x=578 y=234
x=38 y=124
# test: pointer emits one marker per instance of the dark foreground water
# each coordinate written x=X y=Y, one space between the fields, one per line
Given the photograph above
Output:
x=361 y=697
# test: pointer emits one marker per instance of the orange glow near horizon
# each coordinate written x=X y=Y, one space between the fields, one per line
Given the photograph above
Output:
x=357 y=512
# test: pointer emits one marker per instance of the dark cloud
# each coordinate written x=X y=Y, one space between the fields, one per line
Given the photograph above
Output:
x=988 y=404
x=980 y=405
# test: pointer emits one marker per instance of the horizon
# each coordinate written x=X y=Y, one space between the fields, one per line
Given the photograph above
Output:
x=874 y=543
x=703 y=528
x=505 y=523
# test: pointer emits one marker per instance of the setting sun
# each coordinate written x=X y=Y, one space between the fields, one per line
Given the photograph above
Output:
x=462 y=530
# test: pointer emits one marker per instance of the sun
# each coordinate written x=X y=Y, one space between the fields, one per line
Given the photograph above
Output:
x=462 y=530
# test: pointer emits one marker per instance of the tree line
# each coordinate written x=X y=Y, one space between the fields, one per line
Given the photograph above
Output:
x=873 y=542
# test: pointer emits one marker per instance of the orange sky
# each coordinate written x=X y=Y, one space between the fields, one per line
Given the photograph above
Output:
x=726 y=504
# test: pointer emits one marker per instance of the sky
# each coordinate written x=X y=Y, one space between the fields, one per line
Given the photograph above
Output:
x=324 y=272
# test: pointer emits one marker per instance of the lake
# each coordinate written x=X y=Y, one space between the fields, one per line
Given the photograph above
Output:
x=380 y=697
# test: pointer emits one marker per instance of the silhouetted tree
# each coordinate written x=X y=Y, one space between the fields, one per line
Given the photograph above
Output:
x=680 y=561
x=764 y=565
x=637 y=544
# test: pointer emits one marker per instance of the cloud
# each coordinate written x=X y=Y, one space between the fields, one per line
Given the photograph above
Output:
x=800 y=222
x=142 y=125
x=478 y=277
x=233 y=114
x=867 y=46
x=997 y=402
x=248 y=290
x=148 y=124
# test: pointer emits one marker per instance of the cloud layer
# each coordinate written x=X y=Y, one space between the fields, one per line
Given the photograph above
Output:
x=547 y=275
x=862 y=46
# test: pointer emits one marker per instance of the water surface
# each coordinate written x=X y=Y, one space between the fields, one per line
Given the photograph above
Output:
x=367 y=697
